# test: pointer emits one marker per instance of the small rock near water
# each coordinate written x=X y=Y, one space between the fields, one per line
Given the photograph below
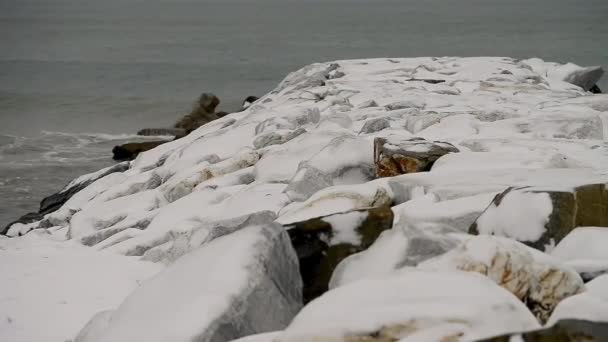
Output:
x=130 y=150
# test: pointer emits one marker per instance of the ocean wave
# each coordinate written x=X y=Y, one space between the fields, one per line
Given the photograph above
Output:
x=105 y=136
x=63 y=147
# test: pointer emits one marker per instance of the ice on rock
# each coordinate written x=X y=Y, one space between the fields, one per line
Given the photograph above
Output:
x=218 y=292
x=452 y=305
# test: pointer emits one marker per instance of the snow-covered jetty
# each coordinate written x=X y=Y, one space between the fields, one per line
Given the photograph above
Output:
x=419 y=199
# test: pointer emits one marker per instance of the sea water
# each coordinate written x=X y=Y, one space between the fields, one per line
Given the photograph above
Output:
x=80 y=76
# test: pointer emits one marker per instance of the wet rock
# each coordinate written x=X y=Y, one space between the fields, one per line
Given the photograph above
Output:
x=177 y=132
x=535 y=278
x=570 y=330
x=548 y=216
x=375 y=125
x=321 y=243
x=130 y=151
x=395 y=156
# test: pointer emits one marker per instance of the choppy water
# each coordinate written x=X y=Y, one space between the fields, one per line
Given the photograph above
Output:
x=114 y=66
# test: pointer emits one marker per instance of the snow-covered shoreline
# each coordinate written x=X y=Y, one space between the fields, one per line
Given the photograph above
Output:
x=306 y=150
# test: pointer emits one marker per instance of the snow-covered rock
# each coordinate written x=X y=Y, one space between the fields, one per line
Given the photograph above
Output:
x=590 y=305
x=321 y=243
x=584 y=249
x=304 y=151
x=535 y=278
x=411 y=305
x=545 y=215
x=345 y=160
x=50 y=288
x=218 y=292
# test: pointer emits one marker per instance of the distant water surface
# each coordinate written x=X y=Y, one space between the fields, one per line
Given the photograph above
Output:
x=77 y=75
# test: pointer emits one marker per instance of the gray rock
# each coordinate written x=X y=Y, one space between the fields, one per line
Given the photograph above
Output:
x=582 y=206
x=375 y=125
x=335 y=164
x=406 y=104
x=322 y=243
x=181 y=244
x=241 y=284
x=585 y=78
x=274 y=138
x=367 y=104
x=309 y=181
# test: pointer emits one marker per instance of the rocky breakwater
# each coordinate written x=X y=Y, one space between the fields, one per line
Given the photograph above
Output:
x=424 y=199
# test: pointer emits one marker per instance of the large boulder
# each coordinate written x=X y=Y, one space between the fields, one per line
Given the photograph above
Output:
x=129 y=151
x=411 y=305
x=535 y=278
x=395 y=156
x=396 y=248
x=345 y=160
x=584 y=249
x=322 y=243
x=590 y=305
x=542 y=217
x=218 y=292
x=585 y=78
x=570 y=330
